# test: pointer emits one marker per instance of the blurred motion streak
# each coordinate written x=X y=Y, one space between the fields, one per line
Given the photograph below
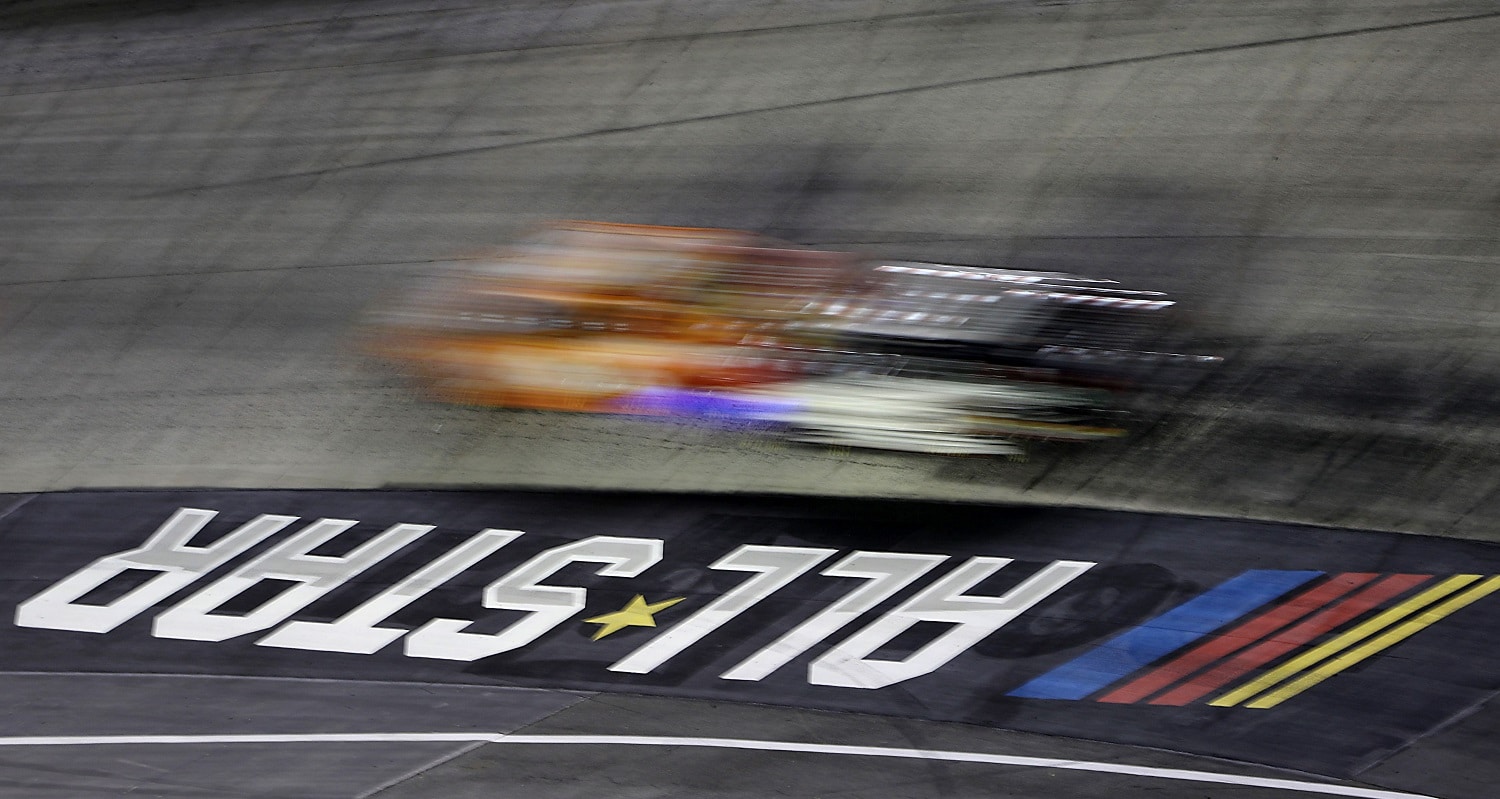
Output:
x=739 y=329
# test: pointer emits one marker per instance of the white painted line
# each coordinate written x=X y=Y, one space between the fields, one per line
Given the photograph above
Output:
x=968 y=757
x=292 y=738
x=723 y=743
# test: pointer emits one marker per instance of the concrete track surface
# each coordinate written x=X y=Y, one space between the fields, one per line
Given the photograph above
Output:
x=197 y=200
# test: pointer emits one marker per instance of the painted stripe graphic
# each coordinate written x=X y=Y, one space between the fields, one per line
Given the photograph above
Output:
x=1281 y=643
x=1195 y=650
x=1233 y=641
x=1143 y=645
x=1376 y=645
x=1353 y=636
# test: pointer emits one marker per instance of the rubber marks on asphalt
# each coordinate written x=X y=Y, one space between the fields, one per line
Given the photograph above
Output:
x=1288 y=622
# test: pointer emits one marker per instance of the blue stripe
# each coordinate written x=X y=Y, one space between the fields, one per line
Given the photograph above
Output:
x=1167 y=633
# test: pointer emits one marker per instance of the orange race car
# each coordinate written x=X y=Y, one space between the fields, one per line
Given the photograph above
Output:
x=581 y=315
x=827 y=346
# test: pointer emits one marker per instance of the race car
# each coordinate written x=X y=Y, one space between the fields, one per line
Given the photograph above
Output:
x=826 y=347
x=581 y=314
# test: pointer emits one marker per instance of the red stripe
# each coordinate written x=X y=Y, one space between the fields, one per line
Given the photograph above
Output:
x=1240 y=637
x=1337 y=615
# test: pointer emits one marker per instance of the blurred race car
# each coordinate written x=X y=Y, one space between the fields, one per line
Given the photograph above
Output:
x=820 y=346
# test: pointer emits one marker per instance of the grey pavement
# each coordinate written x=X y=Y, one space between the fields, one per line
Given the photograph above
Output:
x=94 y=705
x=198 y=200
x=215 y=707
x=198 y=203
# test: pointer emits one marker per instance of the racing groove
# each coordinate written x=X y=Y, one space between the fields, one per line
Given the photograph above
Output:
x=201 y=201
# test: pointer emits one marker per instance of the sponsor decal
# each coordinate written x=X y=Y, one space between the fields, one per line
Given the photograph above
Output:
x=1254 y=641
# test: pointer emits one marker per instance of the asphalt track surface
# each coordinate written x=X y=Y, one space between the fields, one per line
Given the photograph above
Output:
x=196 y=621
x=200 y=199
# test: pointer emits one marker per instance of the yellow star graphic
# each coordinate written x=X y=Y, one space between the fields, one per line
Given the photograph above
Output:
x=635 y=614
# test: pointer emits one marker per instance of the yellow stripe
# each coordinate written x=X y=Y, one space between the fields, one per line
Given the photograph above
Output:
x=1376 y=645
x=1348 y=639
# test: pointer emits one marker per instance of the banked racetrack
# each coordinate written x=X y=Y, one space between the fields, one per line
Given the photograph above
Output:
x=409 y=599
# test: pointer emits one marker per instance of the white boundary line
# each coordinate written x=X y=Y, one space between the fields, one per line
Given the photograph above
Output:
x=721 y=743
